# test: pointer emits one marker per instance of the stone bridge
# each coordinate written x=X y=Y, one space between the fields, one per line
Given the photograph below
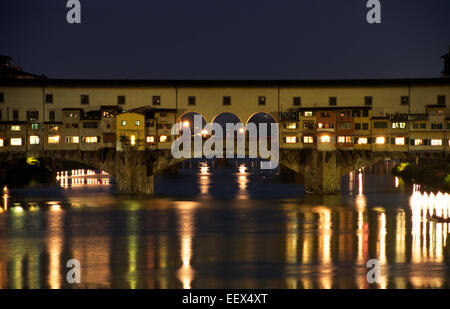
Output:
x=134 y=170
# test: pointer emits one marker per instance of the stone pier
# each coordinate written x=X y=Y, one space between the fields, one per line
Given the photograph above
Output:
x=322 y=173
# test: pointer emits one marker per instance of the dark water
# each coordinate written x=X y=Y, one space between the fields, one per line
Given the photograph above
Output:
x=225 y=228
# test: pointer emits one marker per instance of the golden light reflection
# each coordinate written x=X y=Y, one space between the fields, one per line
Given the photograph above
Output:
x=362 y=230
x=429 y=237
x=351 y=180
x=76 y=178
x=204 y=178
x=5 y=198
x=325 y=244
x=308 y=238
x=360 y=183
x=292 y=238
x=242 y=182
x=186 y=223
x=54 y=244
x=382 y=247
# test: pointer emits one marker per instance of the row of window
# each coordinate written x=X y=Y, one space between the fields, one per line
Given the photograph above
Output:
x=56 y=139
x=297 y=101
x=381 y=140
x=35 y=140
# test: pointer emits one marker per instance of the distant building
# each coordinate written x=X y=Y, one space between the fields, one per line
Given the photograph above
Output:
x=446 y=57
x=7 y=71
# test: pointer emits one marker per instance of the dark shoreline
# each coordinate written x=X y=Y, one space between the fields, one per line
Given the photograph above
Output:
x=432 y=176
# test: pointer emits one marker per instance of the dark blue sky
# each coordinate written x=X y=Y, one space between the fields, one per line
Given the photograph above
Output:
x=232 y=39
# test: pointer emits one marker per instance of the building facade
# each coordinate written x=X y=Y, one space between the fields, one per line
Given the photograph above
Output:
x=377 y=115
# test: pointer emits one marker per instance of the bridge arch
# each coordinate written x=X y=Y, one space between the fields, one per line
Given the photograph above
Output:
x=189 y=117
x=258 y=117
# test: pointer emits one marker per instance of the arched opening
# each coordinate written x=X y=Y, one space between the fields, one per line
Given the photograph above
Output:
x=227 y=118
x=188 y=120
x=262 y=118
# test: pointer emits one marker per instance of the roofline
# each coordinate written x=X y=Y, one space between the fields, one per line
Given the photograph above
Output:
x=220 y=83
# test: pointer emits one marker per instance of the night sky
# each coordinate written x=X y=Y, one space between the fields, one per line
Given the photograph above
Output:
x=233 y=39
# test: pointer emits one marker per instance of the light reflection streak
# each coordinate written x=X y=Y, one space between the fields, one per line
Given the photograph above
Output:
x=186 y=223
x=5 y=198
x=381 y=247
x=242 y=182
x=54 y=244
x=204 y=178
x=81 y=177
x=429 y=238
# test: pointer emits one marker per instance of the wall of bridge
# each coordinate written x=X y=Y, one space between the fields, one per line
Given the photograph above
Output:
x=209 y=99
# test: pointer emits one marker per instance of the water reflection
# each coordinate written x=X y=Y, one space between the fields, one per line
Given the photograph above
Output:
x=186 y=233
x=81 y=177
x=171 y=243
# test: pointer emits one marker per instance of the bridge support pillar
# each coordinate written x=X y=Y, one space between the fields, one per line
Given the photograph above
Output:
x=322 y=173
x=134 y=181
x=133 y=174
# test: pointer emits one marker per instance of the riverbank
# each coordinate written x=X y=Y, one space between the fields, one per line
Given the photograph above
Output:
x=432 y=176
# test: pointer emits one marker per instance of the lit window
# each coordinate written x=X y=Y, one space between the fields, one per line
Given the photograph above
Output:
x=362 y=141
x=308 y=140
x=123 y=123
x=398 y=125
x=133 y=140
x=15 y=128
x=35 y=126
x=308 y=114
x=399 y=141
x=150 y=139
x=344 y=139
x=291 y=126
x=418 y=142
x=53 y=128
x=320 y=125
x=2 y=143
x=72 y=139
x=34 y=140
x=16 y=142
x=325 y=139
x=137 y=123
x=381 y=140
x=91 y=139
x=53 y=139
x=163 y=138
x=436 y=142
x=291 y=139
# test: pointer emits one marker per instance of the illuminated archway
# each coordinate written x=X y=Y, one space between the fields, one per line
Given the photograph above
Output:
x=261 y=117
x=187 y=120
x=223 y=118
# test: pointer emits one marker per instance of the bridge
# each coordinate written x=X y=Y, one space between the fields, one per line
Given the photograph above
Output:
x=327 y=128
x=134 y=170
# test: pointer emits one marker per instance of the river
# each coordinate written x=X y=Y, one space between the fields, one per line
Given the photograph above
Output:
x=227 y=227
